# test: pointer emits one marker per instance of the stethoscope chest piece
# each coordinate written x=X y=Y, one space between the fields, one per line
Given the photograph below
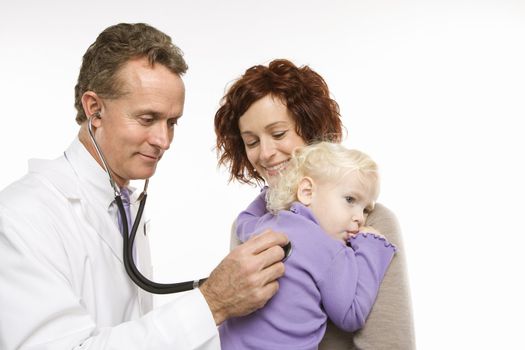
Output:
x=287 y=250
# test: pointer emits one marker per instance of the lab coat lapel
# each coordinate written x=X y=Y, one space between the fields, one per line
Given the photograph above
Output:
x=142 y=241
x=143 y=258
x=60 y=174
x=106 y=229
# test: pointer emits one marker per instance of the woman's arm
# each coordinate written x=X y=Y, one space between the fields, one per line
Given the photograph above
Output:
x=390 y=325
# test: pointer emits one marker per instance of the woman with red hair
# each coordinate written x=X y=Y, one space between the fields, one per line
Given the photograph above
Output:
x=267 y=113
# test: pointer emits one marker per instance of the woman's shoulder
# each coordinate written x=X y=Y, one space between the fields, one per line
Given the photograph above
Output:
x=384 y=220
x=380 y=215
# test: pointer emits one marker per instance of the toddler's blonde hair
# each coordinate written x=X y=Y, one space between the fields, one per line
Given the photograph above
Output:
x=323 y=161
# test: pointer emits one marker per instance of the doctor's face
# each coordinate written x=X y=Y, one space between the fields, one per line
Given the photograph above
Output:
x=135 y=129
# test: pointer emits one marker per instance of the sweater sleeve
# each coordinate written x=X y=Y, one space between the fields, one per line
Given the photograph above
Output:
x=248 y=219
x=350 y=285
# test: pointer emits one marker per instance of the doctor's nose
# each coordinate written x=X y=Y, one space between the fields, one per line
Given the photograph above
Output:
x=161 y=136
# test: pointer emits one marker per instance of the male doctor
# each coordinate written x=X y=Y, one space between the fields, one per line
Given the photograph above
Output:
x=62 y=280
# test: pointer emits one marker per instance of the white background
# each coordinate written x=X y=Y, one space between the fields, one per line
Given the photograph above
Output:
x=433 y=90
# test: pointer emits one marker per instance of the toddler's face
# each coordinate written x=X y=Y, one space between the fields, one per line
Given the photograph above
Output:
x=342 y=208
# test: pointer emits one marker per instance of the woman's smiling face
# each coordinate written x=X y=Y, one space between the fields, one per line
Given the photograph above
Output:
x=269 y=135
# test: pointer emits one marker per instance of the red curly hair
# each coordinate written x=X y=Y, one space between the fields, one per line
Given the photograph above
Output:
x=302 y=90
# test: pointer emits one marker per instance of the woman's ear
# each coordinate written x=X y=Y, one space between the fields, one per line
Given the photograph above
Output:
x=305 y=190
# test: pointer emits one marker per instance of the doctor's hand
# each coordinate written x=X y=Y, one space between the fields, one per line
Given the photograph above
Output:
x=246 y=278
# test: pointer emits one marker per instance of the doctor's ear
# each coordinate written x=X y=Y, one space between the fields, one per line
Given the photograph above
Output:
x=306 y=190
x=92 y=106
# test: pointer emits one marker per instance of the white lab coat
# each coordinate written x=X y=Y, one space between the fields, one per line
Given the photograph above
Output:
x=62 y=280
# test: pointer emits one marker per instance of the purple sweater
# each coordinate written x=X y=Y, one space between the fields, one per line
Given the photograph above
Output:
x=323 y=279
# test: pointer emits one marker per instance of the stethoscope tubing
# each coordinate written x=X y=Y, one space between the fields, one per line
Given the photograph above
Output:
x=129 y=237
x=136 y=276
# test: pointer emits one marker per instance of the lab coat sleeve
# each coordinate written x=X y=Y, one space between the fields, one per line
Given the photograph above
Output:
x=350 y=285
x=38 y=309
x=185 y=323
x=249 y=218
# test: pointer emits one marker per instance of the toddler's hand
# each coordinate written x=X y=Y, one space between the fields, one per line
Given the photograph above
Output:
x=370 y=229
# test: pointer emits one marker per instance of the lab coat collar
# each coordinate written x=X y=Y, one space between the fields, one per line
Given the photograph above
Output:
x=86 y=169
x=92 y=180
x=78 y=177
x=90 y=172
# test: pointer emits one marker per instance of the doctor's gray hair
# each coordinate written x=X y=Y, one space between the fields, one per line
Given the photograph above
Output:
x=323 y=162
x=112 y=49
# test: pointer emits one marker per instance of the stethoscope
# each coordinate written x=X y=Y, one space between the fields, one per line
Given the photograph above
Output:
x=129 y=263
x=136 y=276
